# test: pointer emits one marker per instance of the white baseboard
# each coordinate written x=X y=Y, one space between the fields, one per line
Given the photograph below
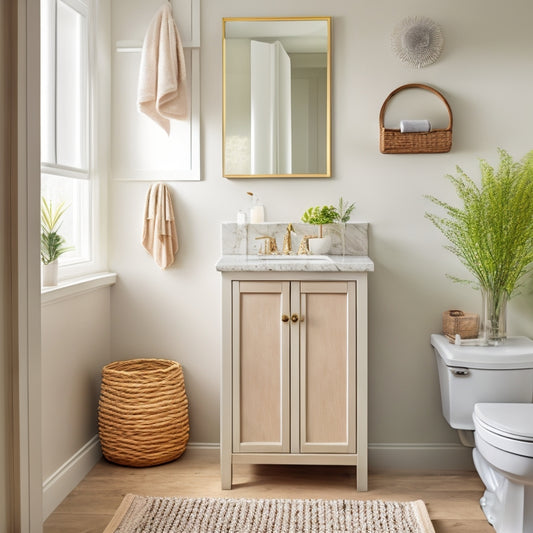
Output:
x=58 y=486
x=65 y=479
x=417 y=457
x=204 y=448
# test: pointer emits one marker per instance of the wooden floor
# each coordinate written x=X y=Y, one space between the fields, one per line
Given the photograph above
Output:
x=452 y=498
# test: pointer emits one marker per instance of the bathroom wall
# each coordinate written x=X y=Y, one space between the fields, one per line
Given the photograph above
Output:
x=75 y=347
x=485 y=72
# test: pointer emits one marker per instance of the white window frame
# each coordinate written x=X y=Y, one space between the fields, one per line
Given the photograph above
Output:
x=81 y=7
x=96 y=139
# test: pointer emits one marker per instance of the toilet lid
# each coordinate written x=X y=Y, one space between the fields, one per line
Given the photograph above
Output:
x=512 y=420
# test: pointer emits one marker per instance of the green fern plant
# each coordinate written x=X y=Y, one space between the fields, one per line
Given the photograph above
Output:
x=492 y=233
x=52 y=243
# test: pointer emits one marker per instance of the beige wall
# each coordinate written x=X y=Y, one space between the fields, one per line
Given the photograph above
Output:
x=485 y=71
x=75 y=347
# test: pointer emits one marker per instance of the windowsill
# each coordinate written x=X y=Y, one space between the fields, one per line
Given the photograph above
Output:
x=76 y=286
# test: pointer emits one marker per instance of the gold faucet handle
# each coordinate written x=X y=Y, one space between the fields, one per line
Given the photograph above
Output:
x=271 y=247
x=303 y=249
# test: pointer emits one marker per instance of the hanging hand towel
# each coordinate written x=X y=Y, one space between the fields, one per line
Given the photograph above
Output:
x=162 y=93
x=159 y=229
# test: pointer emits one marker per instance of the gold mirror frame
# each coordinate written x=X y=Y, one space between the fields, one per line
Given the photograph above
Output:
x=326 y=172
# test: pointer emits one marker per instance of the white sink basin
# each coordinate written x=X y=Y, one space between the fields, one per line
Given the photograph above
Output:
x=293 y=258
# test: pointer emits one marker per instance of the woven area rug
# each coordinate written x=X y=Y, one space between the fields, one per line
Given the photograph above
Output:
x=140 y=514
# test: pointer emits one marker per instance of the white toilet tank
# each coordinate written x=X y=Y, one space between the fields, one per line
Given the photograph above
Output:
x=475 y=374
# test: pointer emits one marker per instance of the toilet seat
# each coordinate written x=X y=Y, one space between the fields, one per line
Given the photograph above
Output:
x=507 y=426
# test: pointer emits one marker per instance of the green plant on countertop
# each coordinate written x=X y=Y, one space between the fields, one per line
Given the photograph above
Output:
x=492 y=233
x=319 y=216
x=328 y=214
x=52 y=243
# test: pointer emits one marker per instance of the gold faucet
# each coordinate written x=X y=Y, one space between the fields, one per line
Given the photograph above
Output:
x=303 y=249
x=271 y=247
x=287 y=243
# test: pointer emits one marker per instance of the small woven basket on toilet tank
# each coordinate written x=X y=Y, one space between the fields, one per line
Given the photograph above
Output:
x=143 y=417
x=457 y=322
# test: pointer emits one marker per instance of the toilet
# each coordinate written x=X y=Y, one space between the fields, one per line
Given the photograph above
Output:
x=488 y=390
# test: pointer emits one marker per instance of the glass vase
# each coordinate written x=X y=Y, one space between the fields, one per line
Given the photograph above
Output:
x=493 y=320
x=342 y=228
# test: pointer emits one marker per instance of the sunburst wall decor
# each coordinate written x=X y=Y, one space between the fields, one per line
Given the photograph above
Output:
x=417 y=41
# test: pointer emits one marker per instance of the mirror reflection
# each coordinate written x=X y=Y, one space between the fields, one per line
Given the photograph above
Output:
x=276 y=119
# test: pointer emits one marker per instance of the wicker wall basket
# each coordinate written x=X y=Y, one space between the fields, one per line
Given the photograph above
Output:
x=143 y=417
x=392 y=141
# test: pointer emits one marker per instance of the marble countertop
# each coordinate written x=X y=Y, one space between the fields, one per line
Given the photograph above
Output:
x=283 y=263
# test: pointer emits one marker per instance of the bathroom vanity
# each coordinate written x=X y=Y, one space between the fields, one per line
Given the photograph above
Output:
x=294 y=368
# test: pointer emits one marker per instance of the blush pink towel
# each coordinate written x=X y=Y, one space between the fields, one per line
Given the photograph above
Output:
x=159 y=236
x=162 y=90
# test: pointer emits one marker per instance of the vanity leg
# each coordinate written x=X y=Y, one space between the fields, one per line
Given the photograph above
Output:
x=226 y=473
x=361 y=478
x=362 y=481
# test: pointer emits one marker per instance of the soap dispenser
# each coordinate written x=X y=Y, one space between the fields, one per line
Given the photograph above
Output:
x=257 y=211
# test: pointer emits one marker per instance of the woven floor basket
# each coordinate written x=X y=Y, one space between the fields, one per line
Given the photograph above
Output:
x=393 y=141
x=143 y=417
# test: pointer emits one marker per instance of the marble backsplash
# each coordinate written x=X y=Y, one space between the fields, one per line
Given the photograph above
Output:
x=240 y=239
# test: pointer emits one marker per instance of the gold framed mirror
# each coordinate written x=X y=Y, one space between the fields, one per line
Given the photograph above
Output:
x=276 y=97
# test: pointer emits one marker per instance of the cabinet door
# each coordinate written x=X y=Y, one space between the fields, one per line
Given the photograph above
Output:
x=327 y=370
x=261 y=371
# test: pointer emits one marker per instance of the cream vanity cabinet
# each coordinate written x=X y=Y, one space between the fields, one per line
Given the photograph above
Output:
x=294 y=371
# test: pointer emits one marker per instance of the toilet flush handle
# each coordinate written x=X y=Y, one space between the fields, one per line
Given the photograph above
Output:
x=460 y=372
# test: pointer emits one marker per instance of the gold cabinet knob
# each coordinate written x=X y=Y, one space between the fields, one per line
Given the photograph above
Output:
x=284 y=318
x=294 y=317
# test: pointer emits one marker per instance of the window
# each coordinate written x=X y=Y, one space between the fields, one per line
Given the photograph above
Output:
x=67 y=161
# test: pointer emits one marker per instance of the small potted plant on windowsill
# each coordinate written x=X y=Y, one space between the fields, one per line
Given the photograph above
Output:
x=52 y=243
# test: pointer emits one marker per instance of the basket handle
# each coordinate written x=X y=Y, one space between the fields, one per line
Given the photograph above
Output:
x=415 y=86
x=455 y=312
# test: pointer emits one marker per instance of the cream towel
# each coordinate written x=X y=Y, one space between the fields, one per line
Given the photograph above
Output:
x=162 y=92
x=159 y=230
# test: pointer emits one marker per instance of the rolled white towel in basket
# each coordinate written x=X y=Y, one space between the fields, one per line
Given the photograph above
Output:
x=414 y=126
